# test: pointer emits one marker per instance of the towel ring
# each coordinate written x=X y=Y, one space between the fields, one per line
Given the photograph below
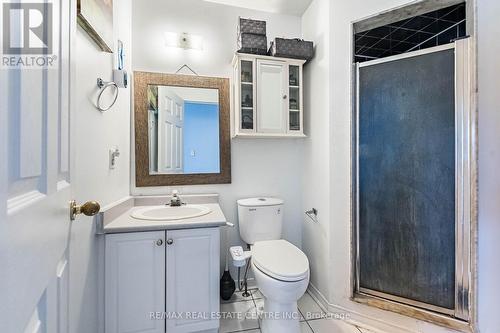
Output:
x=103 y=85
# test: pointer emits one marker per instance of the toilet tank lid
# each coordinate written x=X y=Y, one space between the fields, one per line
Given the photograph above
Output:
x=261 y=201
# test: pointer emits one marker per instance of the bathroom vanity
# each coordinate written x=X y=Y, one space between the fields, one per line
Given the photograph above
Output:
x=161 y=275
x=162 y=263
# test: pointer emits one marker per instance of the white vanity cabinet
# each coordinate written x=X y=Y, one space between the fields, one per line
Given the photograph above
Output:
x=193 y=279
x=268 y=96
x=134 y=282
x=149 y=276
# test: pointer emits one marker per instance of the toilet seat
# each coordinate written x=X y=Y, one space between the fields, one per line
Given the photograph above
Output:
x=280 y=260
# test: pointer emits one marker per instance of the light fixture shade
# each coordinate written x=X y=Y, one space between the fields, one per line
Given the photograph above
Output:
x=184 y=40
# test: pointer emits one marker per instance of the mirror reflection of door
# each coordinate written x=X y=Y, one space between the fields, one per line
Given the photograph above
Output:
x=183 y=130
x=170 y=126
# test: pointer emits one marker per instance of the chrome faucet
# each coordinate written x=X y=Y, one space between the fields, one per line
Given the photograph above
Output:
x=175 y=201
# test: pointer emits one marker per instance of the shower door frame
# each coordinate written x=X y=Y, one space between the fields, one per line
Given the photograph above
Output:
x=463 y=316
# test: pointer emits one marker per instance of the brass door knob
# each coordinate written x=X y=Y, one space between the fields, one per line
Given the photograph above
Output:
x=90 y=208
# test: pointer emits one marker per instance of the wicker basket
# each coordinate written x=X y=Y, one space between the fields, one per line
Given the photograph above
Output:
x=252 y=43
x=292 y=48
x=248 y=26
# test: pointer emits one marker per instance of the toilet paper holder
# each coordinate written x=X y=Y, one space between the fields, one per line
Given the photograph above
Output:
x=312 y=214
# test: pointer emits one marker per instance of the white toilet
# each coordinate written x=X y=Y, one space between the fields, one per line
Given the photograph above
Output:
x=281 y=269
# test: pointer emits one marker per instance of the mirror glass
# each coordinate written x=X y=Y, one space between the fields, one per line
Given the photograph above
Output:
x=183 y=130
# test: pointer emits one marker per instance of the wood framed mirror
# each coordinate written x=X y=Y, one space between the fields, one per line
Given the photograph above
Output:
x=182 y=130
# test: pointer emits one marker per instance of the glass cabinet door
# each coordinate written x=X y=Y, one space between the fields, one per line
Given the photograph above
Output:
x=247 y=95
x=294 y=102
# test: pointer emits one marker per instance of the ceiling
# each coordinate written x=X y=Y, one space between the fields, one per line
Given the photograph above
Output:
x=415 y=33
x=290 y=7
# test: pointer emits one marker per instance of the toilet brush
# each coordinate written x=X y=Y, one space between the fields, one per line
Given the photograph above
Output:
x=227 y=285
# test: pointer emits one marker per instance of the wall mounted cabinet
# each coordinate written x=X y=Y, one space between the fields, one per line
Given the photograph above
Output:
x=268 y=96
x=151 y=275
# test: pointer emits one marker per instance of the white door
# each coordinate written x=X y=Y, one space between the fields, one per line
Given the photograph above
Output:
x=135 y=282
x=192 y=279
x=35 y=180
x=272 y=96
x=170 y=127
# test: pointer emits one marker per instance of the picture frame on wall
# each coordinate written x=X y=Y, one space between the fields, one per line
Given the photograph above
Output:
x=96 y=18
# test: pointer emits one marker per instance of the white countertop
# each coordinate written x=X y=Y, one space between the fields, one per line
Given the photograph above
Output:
x=124 y=222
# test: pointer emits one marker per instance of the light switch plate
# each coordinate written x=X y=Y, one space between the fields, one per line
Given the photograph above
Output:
x=113 y=155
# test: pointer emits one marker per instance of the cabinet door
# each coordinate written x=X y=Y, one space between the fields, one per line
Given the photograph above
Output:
x=135 y=282
x=192 y=279
x=272 y=96
x=246 y=95
x=295 y=104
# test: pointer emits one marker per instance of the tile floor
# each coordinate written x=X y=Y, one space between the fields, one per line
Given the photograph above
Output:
x=240 y=314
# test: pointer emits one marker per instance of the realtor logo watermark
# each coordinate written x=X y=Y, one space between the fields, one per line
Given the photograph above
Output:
x=28 y=35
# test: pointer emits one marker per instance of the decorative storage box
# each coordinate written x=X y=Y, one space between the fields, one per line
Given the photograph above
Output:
x=252 y=43
x=292 y=48
x=248 y=26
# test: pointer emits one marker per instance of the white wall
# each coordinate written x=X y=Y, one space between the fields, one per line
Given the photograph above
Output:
x=94 y=134
x=259 y=166
x=196 y=95
x=489 y=161
x=215 y=23
x=315 y=189
x=333 y=146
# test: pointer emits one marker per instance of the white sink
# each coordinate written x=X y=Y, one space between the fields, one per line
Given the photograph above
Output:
x=167 y=213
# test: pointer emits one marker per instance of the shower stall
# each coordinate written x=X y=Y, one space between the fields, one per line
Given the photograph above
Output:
x=414 y=181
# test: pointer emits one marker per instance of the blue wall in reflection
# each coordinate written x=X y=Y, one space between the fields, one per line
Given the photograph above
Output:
x=201 y=138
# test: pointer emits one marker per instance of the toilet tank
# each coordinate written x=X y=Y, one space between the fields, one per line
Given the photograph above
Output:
x=260 y=219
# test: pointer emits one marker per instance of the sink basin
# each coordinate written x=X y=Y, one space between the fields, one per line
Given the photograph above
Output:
x=167 y=213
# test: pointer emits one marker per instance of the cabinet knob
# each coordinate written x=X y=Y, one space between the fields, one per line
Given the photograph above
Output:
x=170 y=241
x=159 y=242
x=285 y=96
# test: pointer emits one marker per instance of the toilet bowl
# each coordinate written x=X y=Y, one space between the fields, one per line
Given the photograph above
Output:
x=281 y=272
x=281 y=269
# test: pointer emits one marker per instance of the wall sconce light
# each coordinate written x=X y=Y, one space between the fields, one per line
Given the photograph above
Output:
x=184 y=41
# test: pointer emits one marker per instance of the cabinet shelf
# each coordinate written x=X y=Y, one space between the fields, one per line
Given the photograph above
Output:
x=292 y=134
